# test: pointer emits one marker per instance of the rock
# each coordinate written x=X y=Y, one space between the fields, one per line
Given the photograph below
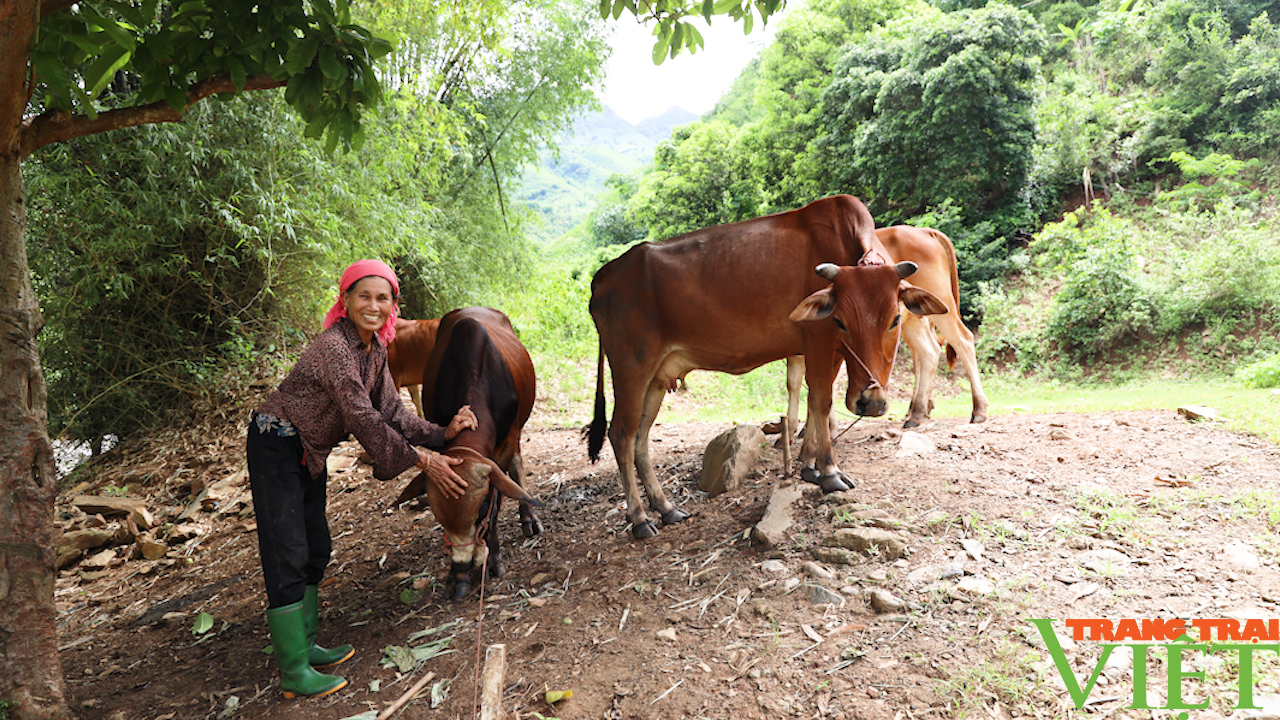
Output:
x=771 y=531
x=914 y=443
x=135 y=508
x=99 y=561
x=819 y=595
x=1195 y=413
x=934 y=573
x=883 y=601
x=869 y=541
x=1268 y=708
x=973 y=586
x=973 y=548
x=669 y=634
x=1059 y=435
x=148 y=548
x=1105 y=562
x=835 y=556
x=773 y=566
x=853 y=516
x=818 y=571
x=1241 y=555
x=728 y=458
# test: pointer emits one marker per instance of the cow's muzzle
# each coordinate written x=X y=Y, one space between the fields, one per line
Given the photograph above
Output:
x=871 y=402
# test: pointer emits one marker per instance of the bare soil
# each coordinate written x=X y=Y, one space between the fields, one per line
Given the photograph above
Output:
x=1133 y=514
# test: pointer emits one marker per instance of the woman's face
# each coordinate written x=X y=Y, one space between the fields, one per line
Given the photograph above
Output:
x=369 y=302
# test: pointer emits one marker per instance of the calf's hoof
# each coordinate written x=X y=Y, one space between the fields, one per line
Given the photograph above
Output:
x=643 y=529
x=530 y=526
x=674 y=516
x=978 y=417
x=834 y=482
x=496 y=568
x=458 y=589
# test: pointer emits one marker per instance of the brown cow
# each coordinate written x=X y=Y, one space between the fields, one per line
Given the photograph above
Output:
x=933 y=252
x=478 y=361
x=407 y=355
x=719 y=299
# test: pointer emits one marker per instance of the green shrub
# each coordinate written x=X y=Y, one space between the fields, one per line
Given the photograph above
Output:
x=1261 y=374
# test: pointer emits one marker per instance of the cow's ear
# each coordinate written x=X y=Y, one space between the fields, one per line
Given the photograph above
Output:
x=510 y=488
x=918 y=301
x=906 y=269
x=815 y=307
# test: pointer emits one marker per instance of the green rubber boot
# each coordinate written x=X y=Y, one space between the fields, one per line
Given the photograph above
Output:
x=320 y=657
x=289 y=639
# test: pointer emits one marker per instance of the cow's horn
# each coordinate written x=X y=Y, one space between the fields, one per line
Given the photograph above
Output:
x=906 y=269
x=828 y=270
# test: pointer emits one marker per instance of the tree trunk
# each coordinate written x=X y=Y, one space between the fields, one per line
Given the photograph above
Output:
x=31 y=682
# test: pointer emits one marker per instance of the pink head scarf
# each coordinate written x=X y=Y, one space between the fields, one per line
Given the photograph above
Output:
x=359 y=270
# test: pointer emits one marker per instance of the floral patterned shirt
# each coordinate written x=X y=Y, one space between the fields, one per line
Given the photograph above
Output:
x=342 y=386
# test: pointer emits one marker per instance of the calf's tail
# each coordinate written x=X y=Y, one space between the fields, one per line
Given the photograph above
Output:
x=595 y=431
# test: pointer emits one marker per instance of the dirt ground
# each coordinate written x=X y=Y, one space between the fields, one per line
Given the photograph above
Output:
x=1134 y=514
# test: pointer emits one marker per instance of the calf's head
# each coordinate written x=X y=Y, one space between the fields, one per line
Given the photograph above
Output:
x=863 y=302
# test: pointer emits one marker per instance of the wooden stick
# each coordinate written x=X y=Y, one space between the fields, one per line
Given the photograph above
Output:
x=495 y=671
x=405 y=698
x=786 y=447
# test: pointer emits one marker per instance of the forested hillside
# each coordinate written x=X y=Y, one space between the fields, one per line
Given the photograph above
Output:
x=1154 y=124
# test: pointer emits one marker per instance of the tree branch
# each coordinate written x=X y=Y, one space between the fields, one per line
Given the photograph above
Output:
x=51 y=7
x=52 y=127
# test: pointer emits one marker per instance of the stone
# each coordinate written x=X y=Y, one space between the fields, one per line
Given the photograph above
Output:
x=853 y=516
x=883 y=601
x=135 y=508
x=973 y=548
x=818 y=571
x=934 y=573
x=148 y=548
x=773 y=566
x=1241 y=555
x=973 y=586
x=819 y=595
x=914 y=443
x=728 y=458
x=869 y=541
x=772 y=529
x=835 y=556
x=669 y=634
x=1195 y=413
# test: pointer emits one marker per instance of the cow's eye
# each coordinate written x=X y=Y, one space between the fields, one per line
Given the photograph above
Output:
x=839 y=324
x=896 y=319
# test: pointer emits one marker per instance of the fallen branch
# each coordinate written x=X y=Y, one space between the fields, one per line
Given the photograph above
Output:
x=405 y=698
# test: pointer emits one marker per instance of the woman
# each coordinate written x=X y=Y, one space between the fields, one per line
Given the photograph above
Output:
x=340 y=386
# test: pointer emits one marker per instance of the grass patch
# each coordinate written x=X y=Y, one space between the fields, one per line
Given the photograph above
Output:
x=1004 y=676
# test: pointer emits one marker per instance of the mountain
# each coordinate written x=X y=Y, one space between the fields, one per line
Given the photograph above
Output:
x=563 y=190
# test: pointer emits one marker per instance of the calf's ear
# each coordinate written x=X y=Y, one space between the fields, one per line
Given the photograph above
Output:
x=815 y=307
x=919 y=301
x=508 y=487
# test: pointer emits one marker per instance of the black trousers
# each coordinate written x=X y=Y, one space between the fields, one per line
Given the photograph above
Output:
x=293 y=532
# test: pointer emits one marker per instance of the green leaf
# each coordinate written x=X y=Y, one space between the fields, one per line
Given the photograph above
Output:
x=660 y=48
x=176 y=97
x=331 y=66
x=122 y=35
x=606 y=8
x=708 y=7
x=301 y=54
x=203 y=624
x=399 y=656
x=237 y=72
x=101 y=71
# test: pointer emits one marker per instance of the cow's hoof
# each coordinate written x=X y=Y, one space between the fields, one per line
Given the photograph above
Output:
x=460 y=590
x=496 y=568
x=676 y=515
x=910 y=423
x=644 y=529
x=530 y=526
x=835 y=482
x=978 y=417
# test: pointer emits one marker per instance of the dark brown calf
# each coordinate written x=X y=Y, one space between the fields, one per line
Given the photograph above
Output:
x=478 y=361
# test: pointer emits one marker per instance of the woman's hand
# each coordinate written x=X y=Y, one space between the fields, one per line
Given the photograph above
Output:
x=464 y=420
x=439 y=469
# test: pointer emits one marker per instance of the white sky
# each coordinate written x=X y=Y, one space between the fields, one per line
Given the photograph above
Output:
x=637 y=89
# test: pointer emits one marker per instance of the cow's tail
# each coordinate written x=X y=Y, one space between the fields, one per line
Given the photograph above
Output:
x=946 y=243
x=595 y=431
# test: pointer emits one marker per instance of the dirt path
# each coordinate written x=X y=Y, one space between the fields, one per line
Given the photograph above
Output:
x=1121 y=515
